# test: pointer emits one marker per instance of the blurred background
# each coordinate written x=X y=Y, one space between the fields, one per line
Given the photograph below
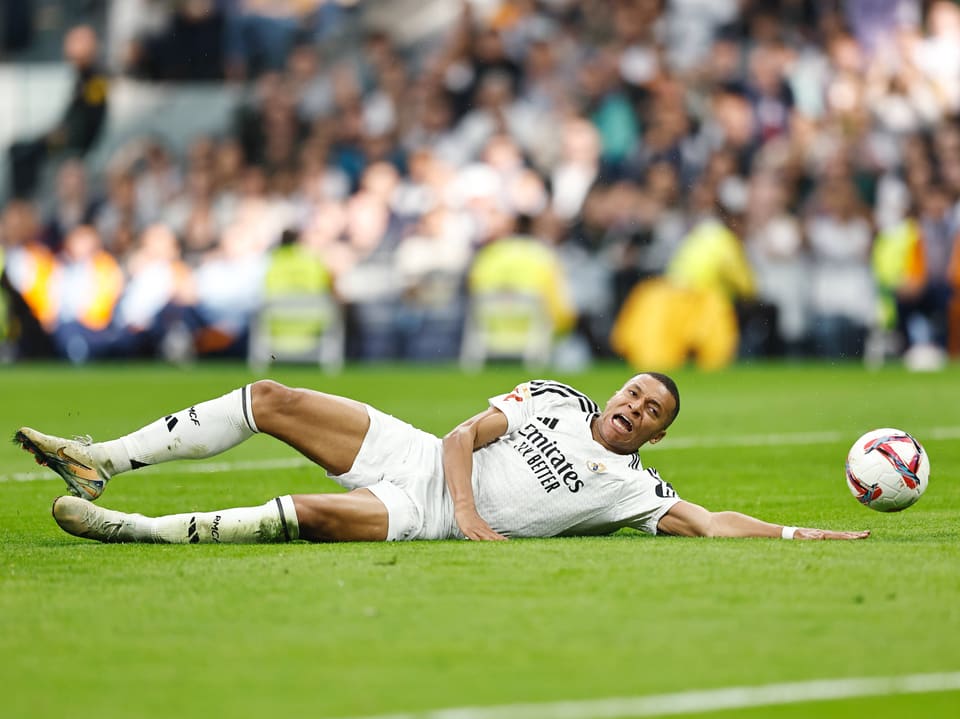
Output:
x=556 y=182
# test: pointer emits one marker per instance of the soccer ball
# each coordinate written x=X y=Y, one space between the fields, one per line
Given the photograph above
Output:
x=887 y=470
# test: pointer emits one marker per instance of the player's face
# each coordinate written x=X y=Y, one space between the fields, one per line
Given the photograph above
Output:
x=638 y=413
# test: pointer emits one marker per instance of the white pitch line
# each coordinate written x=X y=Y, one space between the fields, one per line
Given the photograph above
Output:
x=743 y=440
x=786 y=438
x=708 y=700
x=252 y=465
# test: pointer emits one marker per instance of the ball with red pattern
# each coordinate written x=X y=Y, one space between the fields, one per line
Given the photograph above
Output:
x=887 y=470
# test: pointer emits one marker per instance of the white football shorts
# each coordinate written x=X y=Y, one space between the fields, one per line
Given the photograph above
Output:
x=403 y=467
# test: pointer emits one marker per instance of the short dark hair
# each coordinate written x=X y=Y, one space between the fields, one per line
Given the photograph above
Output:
x=671 y=386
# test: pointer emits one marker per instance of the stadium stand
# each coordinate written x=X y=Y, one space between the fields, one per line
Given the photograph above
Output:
x=402 y=138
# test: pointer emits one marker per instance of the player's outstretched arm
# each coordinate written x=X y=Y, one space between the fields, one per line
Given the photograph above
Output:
x=686 y=519
x=458 y=446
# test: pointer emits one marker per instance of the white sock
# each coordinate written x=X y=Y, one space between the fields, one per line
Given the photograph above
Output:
x=275 y=521
x=200 y=431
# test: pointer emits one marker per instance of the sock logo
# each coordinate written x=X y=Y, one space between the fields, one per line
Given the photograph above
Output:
x=215 y=529
x=171 y=422
x=192 y=412
x=192 y=535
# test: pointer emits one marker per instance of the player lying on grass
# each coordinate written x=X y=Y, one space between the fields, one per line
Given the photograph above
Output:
x=540 y=461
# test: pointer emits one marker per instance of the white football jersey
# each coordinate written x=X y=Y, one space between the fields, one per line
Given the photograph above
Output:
x=547 y=476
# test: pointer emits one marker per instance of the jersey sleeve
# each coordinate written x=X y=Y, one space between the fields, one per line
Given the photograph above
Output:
x=541 y=396
x=517 y=406
x=645 y=501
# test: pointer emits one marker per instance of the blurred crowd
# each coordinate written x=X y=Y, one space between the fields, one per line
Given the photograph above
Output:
x=711 y=179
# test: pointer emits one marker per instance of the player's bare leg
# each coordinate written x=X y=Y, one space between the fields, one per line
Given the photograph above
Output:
x=357 y=516
x=349 y=517
x=325 y=428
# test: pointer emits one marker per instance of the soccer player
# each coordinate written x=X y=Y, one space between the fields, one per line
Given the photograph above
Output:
x=542 y=460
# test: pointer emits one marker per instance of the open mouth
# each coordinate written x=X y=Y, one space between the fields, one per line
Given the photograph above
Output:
x=622 y=423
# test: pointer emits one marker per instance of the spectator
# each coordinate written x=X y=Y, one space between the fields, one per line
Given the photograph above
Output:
x=775 y=246
x=692 y=309
x=923 y=299
x=184 y=43
x=893 y=260
x=27 y=281
x=118 y=220
x=229 y=282
x=608 y=107
x=310 y=85
x=843 y=293
x=194 y=217
x=86 y=286
x=128 y=22
x=260 y=33
x=269 y=126
x=498 y=110
x=544 y=74
x=512 y=268
x=769 y=93
x=938 y=54
x=578 y=167
x=262 y=212
x=432 y=127
x=157 y=296
x=81 y=123
x=324 y=235
x=431 y=263
x=295 y=286
x=158 y=180
x=369 y=284
x=74 y=205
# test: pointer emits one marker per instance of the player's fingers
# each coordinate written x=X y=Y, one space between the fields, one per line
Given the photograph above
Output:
x=853 y=535
x=489 y=534
x=486 y=537
x=826 y=534
x=846 y=535
x=481 y=533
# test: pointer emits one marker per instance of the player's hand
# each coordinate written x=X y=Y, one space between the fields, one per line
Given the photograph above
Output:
x=475 y=527
x=803 y=533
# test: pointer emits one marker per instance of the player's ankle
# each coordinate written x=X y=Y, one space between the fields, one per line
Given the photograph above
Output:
x=112 y=457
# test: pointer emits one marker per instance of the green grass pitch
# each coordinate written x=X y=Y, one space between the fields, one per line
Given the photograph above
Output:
x=359 y=630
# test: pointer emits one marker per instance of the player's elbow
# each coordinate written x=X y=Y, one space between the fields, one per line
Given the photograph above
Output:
x=461 y=434
x=708 y=524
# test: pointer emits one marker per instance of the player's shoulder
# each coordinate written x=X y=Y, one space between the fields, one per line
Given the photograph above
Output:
x=649 y=478
x=562 y=394
x=627 y=466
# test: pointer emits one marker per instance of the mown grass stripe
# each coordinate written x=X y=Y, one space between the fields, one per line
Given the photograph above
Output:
x=744 y=440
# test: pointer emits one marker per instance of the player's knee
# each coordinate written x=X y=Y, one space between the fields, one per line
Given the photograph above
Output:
x=318 y=517
x=270 y=399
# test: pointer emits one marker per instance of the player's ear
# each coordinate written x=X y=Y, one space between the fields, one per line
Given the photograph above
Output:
x=657 y=437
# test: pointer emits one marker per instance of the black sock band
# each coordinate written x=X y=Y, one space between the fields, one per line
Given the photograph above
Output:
x=283 y=520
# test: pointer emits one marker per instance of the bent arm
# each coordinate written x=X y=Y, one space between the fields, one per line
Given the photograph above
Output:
x=685 y=519
x=458 y=447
